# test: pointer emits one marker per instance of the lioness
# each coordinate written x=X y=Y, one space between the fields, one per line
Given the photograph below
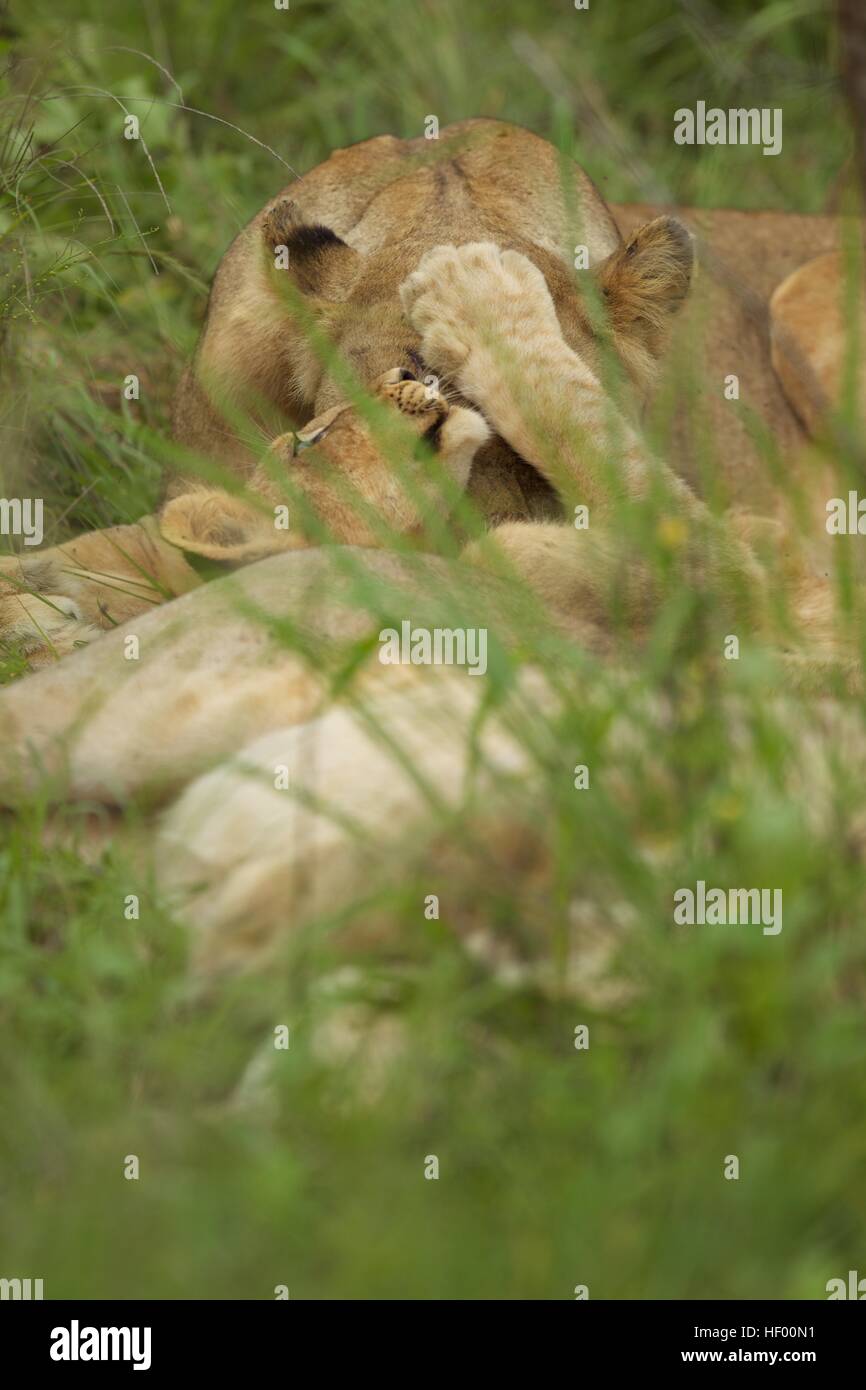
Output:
x=542 y=397
x=330 y=258
x=210 y=676
x=255 y=367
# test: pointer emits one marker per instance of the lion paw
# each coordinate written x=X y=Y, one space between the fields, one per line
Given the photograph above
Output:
x=40 y=622
x=464 y=297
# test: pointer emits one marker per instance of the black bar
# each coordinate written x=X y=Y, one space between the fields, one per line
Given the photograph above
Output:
x=226 y=1336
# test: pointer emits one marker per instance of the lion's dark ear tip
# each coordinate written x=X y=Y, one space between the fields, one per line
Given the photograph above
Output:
x=309 y=237
x=285 y=225
x=676 y=228
x=682 y=238
x=280 y=221
x=668 y=229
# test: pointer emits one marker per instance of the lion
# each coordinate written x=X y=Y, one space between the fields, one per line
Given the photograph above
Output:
x=65 y=596
x=486 y=318
x=386 y=203
x=322 y=262
x=487 y=321
x=209 y=680
x=815 y=312
x=326 y=257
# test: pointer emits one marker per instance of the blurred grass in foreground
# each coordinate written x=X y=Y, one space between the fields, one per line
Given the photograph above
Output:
x=558 y=1167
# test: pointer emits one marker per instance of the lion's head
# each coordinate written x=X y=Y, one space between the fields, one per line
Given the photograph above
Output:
x=639 y=285
x=343 y=477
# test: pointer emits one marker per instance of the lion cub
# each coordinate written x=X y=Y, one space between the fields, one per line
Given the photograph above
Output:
x=334 y=480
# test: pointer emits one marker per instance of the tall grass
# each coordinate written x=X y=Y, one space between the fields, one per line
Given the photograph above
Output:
x=558 y=1167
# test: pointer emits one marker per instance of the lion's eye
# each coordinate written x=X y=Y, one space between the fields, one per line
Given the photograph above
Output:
x=306 y=441
x=395 y=375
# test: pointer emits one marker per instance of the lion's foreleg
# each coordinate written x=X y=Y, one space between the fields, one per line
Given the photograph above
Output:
x=56 y=599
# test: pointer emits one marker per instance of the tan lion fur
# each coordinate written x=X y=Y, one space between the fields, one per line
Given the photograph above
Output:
x=479 y=235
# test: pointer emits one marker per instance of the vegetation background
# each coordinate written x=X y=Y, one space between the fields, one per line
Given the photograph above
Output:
x=558 y=1167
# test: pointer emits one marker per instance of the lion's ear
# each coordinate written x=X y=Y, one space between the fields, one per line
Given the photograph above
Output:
x=220 y=527
x=320 y=262
x=645 y=281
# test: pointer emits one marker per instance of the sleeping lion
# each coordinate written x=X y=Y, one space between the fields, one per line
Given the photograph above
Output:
x=466 y=406
x=329 y=259
x=306 y=311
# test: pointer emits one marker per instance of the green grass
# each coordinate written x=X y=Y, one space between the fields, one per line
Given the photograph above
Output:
x=557 y=1167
